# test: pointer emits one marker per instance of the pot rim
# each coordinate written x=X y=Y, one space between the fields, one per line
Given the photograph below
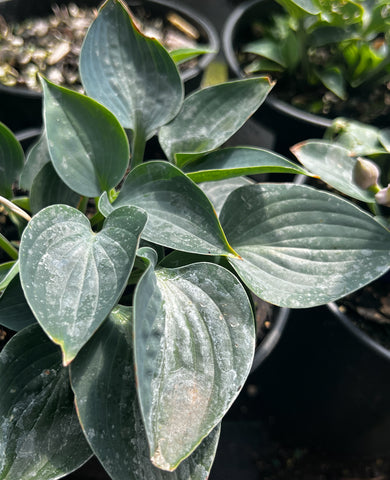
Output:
x=357 y=332
x=281 y=106
x=187 y=75
x=266 y=346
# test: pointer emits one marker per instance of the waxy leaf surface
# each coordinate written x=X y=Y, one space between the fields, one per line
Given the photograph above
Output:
x=301 y=247
x=103 y=380
x=179 y=214
x=37 y=157
x=88 y=147
x=48 y=189
x=194 y=343
x=72 y=277
x=239 y=161
x=132 y=75
x=11 y=160
x=333 y=164
x=218 y=191
x=211 y=116
x=40 y=435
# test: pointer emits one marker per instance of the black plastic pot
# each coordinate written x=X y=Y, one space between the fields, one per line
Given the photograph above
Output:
x=21 y=108
x=289 y=124
x=326 y=386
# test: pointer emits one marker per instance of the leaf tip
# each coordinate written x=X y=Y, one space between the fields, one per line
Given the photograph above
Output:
x=159 y=461
x=297 y=147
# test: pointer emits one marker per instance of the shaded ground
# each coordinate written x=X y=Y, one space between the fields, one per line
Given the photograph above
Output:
x=245 y=454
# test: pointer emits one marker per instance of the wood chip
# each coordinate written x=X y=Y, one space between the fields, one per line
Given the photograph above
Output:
x=183 y=25
x=58 y=53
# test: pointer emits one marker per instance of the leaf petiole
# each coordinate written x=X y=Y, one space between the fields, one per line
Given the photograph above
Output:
x=7 y=246
x=138 y=145
x=14 y=208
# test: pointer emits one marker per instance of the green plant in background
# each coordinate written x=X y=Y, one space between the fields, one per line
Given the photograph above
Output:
x=341 y=45
x=128 y=291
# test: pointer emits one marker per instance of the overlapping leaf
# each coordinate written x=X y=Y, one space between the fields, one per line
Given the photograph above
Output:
x=48 y=189
x=194 y=342
x=301 y=247
x=14 y=310
x=72 y=277
x=37 y=157
x=88 y=147
x=132 y=75
x=211 y=116
x=11 y=160
x=333 y=164
x=237 y=162
x=103 y=381
x=179 y=214
x=40 y=436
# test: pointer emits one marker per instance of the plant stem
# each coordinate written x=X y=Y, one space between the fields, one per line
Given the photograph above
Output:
x=138 y=145
x=14 y=208
x=7 y=246
x=82 y=205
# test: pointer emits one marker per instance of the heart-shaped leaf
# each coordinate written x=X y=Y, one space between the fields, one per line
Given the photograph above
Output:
x=103 y=380
x=179 y=214
x=14 y=310
x=40 y=436
x=11 y=160
x=48 y=189
x=333 y=164
x=194 y=342
x=132 y=75
x=302 y=247
x=88 y=147
x=72 y=277
x=239 y=161
x=211 y=116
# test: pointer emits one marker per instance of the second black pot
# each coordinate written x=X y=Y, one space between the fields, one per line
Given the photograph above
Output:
x=289 y=124
x=326 y=386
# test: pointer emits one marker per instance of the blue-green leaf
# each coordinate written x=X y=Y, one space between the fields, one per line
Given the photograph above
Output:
x=302 y=247
x=179 y=214
x=72 y=277
x=239 y=161
x=88 y=147
x=211 y=116
x=333 y=164
x=194 y=343
x=132 y=75
x=40 y=436
x=103 y=380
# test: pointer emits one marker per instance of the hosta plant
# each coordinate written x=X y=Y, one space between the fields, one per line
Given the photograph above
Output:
x=339 y=51
x=128 y=291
